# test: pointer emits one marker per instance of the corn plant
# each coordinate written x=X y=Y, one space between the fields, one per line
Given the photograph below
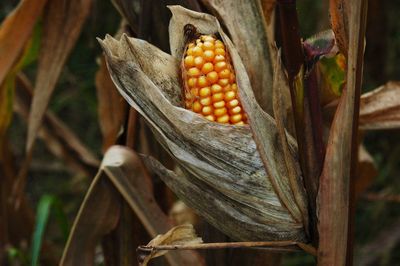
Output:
x=226 y=135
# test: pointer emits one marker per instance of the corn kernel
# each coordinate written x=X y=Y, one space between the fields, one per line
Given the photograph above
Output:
x=215 y=88
x=189 y=61
x=205 y=92
x=193 y=72
x=197 y=51
x=206 y=101
x=196 y=107
x=224 y=74
x=192 y=82
x=207 y=68
x=223 y=119
x=220 y=111
x=210 y=82
x=212 y=77
x=219 y=104
x=202 y=82
x=207 y=110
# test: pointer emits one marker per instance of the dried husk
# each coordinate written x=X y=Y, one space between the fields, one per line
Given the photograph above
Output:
x=224 y=178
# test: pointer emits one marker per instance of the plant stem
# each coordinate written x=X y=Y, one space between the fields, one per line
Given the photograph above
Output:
x=274 y=245
x=305 y=105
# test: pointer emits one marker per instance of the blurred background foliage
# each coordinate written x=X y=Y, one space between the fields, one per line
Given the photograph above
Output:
x=75 y=102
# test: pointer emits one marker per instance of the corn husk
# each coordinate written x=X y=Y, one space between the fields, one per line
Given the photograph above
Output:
x=234 y=176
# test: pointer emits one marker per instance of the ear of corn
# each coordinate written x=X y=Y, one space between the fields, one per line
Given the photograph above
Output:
x=210 y=82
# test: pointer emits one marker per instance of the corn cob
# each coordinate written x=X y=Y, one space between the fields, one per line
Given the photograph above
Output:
x=209 y=81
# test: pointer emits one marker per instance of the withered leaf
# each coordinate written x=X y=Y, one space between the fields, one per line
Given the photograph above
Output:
x=178 y=235
x=121 y=175
x=380 y=108
x=62 y=24
x=112 y=108
x=339 y=12
x=15 y=31
x=224 y=177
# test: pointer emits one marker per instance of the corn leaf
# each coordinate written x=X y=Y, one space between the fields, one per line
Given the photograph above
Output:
x=46 y=204
x=62 y=24
x=121 y=175
x=380 y=108
x=15 y=32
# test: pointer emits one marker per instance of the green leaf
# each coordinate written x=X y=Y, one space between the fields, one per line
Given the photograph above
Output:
x=333 y=72
x=46 y=204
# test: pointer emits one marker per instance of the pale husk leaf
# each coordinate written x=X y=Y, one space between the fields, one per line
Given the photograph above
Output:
x=178 y=235
x=224 y=177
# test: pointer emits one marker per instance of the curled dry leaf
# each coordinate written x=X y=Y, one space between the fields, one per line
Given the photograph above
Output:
x=121 y=175
x=179 y=235
x=380 y=108
x=239 y=184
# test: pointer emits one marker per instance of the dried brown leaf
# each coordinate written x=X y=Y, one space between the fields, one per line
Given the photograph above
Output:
x=15 y=31
x=339 y=12
x=112 y=108
x=178 y=235
x=121 y=175
x=380 y=108
x=268 y=7
x=333 y=196
x=245 y=23
x=62 y=24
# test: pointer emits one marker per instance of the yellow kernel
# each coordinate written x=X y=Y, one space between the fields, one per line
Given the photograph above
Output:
x=191 y=45
x=192 y=82
x=220 y=112
x=235 y=110
x=208 y=55
x=197 y=107
x=210 y=117
x=223 y=119
x=205 y=101
x=223 y=82
x=218 y=97
x=193 y=72
x=234 y=87
x=207 y=68
x=233 y=103
x=225 y=74
x=236 y=118
x=189 y=61
x=218 y=51
x=202 y=82
x=215 y=88
x=219 y=104
x=219 y=58
x=207 y=110
x=239 y=123
x=198 y=61
x=197 y=51
x=207 y=38
x=208 y=45
x=190 y=51
x=230 y=95
x=220 y=66
x=219 y=44
x=205 y=92
x=194 y=91
x=212 y=77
